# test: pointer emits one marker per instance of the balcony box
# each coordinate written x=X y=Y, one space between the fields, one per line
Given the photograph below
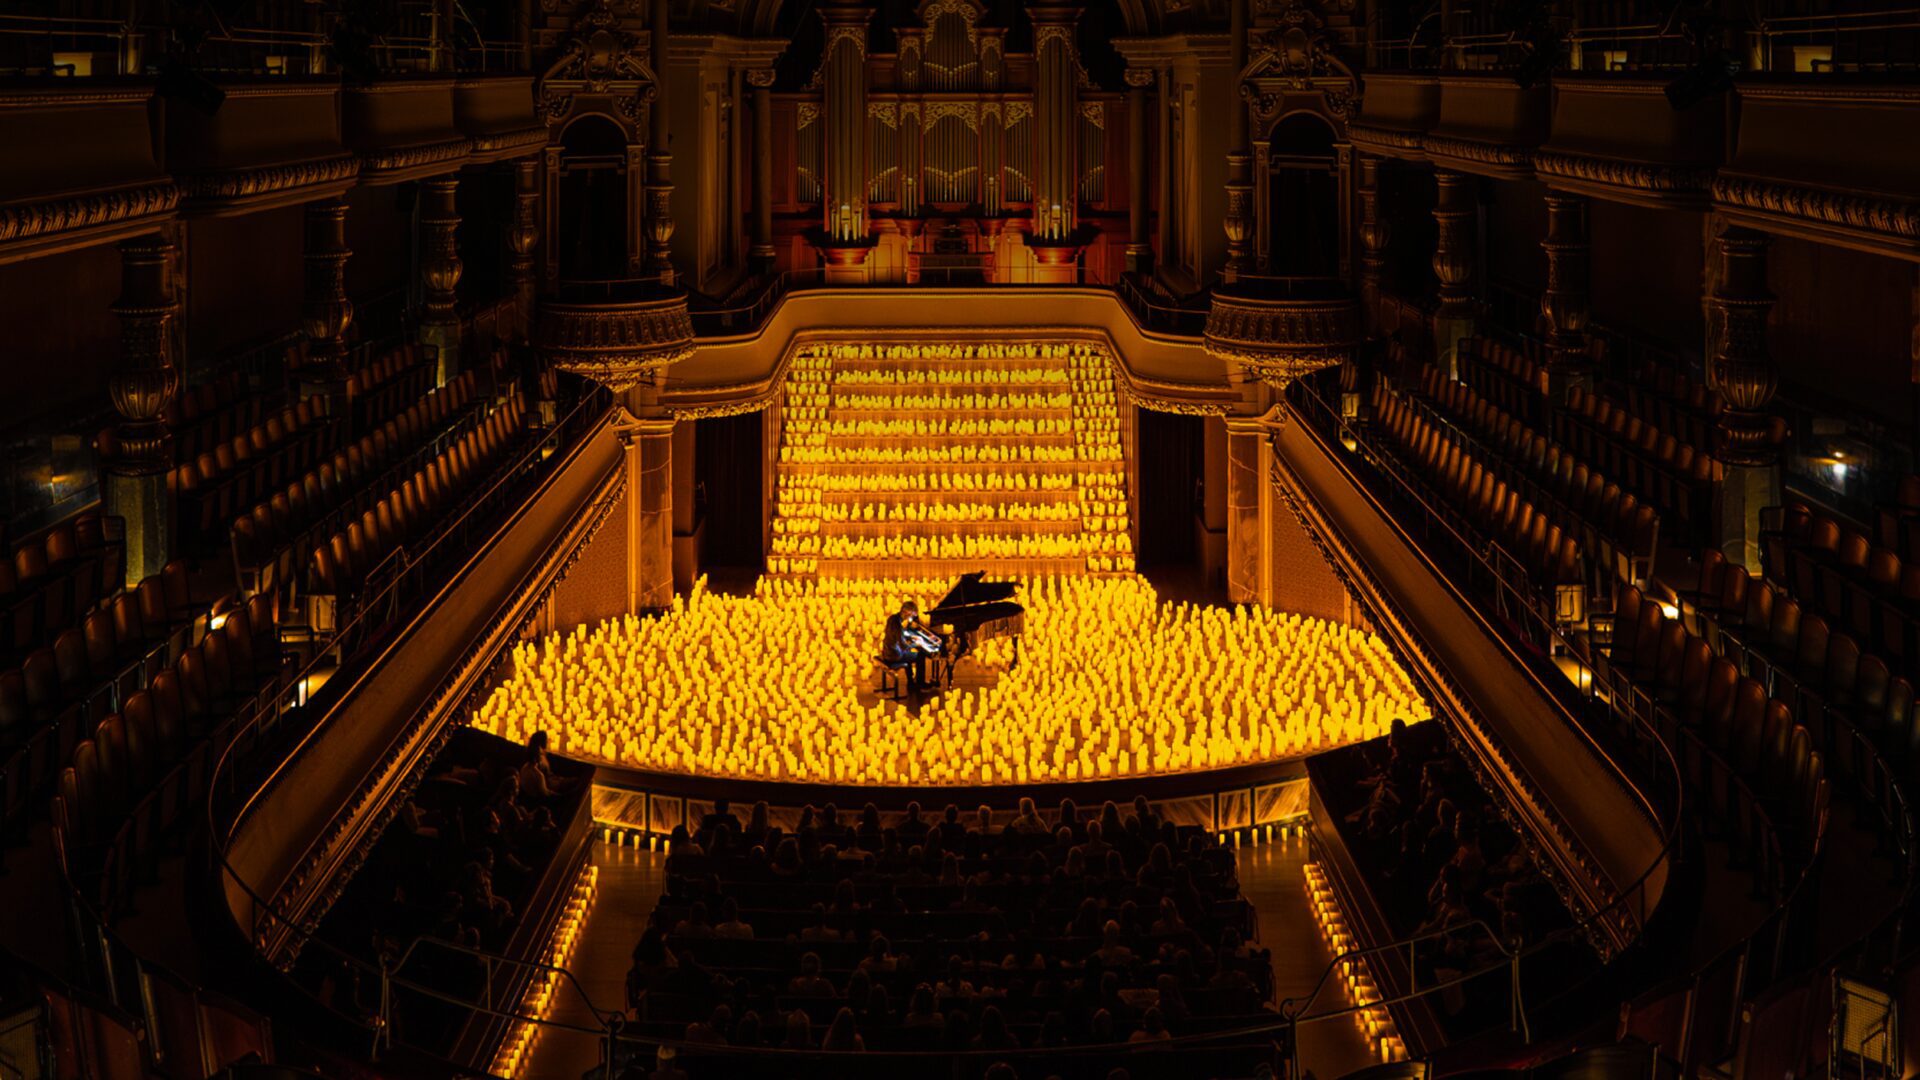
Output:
x=1620 y=139
x=271 y=142
x=403 y=128
x=1396 y=111
x=1488 y=126
x=58 y=193
x=496 y=112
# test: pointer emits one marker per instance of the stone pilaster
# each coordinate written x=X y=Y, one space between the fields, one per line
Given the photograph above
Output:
x=1742 y=369
x=523 y=238
x=325 y=310
x=440 y=270
x=1246 y=472
x=1455 y=209
x=138 y=450
x=647 y=442
x=1564 y=305
x=1139 y=247
x=1375 y=234
x=762 y=253
x=660 y=223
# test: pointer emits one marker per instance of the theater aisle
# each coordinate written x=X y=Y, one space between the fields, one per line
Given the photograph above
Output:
x=631 y=881
x=1273 y=881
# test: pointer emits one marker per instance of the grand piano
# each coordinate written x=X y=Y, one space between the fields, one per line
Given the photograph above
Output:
x=977 y=610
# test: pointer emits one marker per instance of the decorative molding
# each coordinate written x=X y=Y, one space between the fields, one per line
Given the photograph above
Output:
x=511 y=142
x=71 y=213
x=967 y=111
x=910 y=110
x=760 y=78
x=842 y=32
x=1052 y=32
x=1279 y=339
x=417 y=156
x=1621 y=173
x=597 y=57
x=1298 y=55
x=1502 y=155
x=248 y=183
x=1882 y=214
x=1142 y=78
x=1391 y=142
x=884 y=111
x=1095 y=113
x=932 y=10
x=616 y=343
x=1018 y=111
x=808 y=113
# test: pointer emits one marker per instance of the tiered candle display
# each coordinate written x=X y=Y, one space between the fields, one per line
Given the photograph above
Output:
x=931 y=460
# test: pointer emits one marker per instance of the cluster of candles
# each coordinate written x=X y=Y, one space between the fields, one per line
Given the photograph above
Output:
x=1112 y=681
x=1372 y=1017
x=919 y=428
x=537 y=1000
x=968 y=436
x=972 y=399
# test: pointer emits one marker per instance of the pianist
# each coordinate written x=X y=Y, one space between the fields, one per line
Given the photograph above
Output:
x=909 y=645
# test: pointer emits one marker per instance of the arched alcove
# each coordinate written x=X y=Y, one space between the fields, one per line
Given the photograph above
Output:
x=593 y=199
x=1303 y=198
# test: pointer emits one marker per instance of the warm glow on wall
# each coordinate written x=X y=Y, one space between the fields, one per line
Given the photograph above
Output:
x=1112 y=681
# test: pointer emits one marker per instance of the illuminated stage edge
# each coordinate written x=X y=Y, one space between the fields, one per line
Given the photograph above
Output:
x=1244 y=800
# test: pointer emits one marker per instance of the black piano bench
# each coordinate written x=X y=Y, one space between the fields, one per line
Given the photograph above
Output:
x=890 y=672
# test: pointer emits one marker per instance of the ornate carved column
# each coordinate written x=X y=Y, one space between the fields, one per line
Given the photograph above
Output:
x=762 y=253
x=138 y=450
x=1743 y=371
x=1454 y=211
x=325 y=310
x=1239 y=217
x=1375 y=234
x=523 y=236
x=1139 y=247
x=1564 y=304
x=440 y=269
x=659 y=152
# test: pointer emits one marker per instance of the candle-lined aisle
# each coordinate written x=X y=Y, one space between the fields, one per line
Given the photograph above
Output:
x=1112 y=682
x=1002 y=457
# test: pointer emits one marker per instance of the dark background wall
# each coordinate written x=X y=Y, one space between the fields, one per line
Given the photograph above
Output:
x=61 y=340
x=244 y=277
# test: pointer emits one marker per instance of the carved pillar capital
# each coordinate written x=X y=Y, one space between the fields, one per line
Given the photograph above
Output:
x=145 y=380
x=1742 y=367
x=1375 y=233
x=1454 y=210
x=1564 y=305
x=325 y=310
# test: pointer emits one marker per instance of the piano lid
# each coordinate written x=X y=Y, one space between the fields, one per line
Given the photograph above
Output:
x=975 y=589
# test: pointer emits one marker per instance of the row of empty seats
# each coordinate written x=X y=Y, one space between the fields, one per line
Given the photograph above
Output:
x=53 y=580
x=58 y=692
x=1672 y=400
x=340 y=567
x=213 y=412
x=1838 y=572
x=1550 y=555
x=1503 y=374
x=267 y=539
x=393 y=381
x=217 y=484
x=1763 y=773
x=133 y=776
x=1677 y=477
x=1613 y=526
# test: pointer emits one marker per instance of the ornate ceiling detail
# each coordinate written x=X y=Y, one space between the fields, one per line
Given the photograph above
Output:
x=598 y=58
x=1299 y=56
